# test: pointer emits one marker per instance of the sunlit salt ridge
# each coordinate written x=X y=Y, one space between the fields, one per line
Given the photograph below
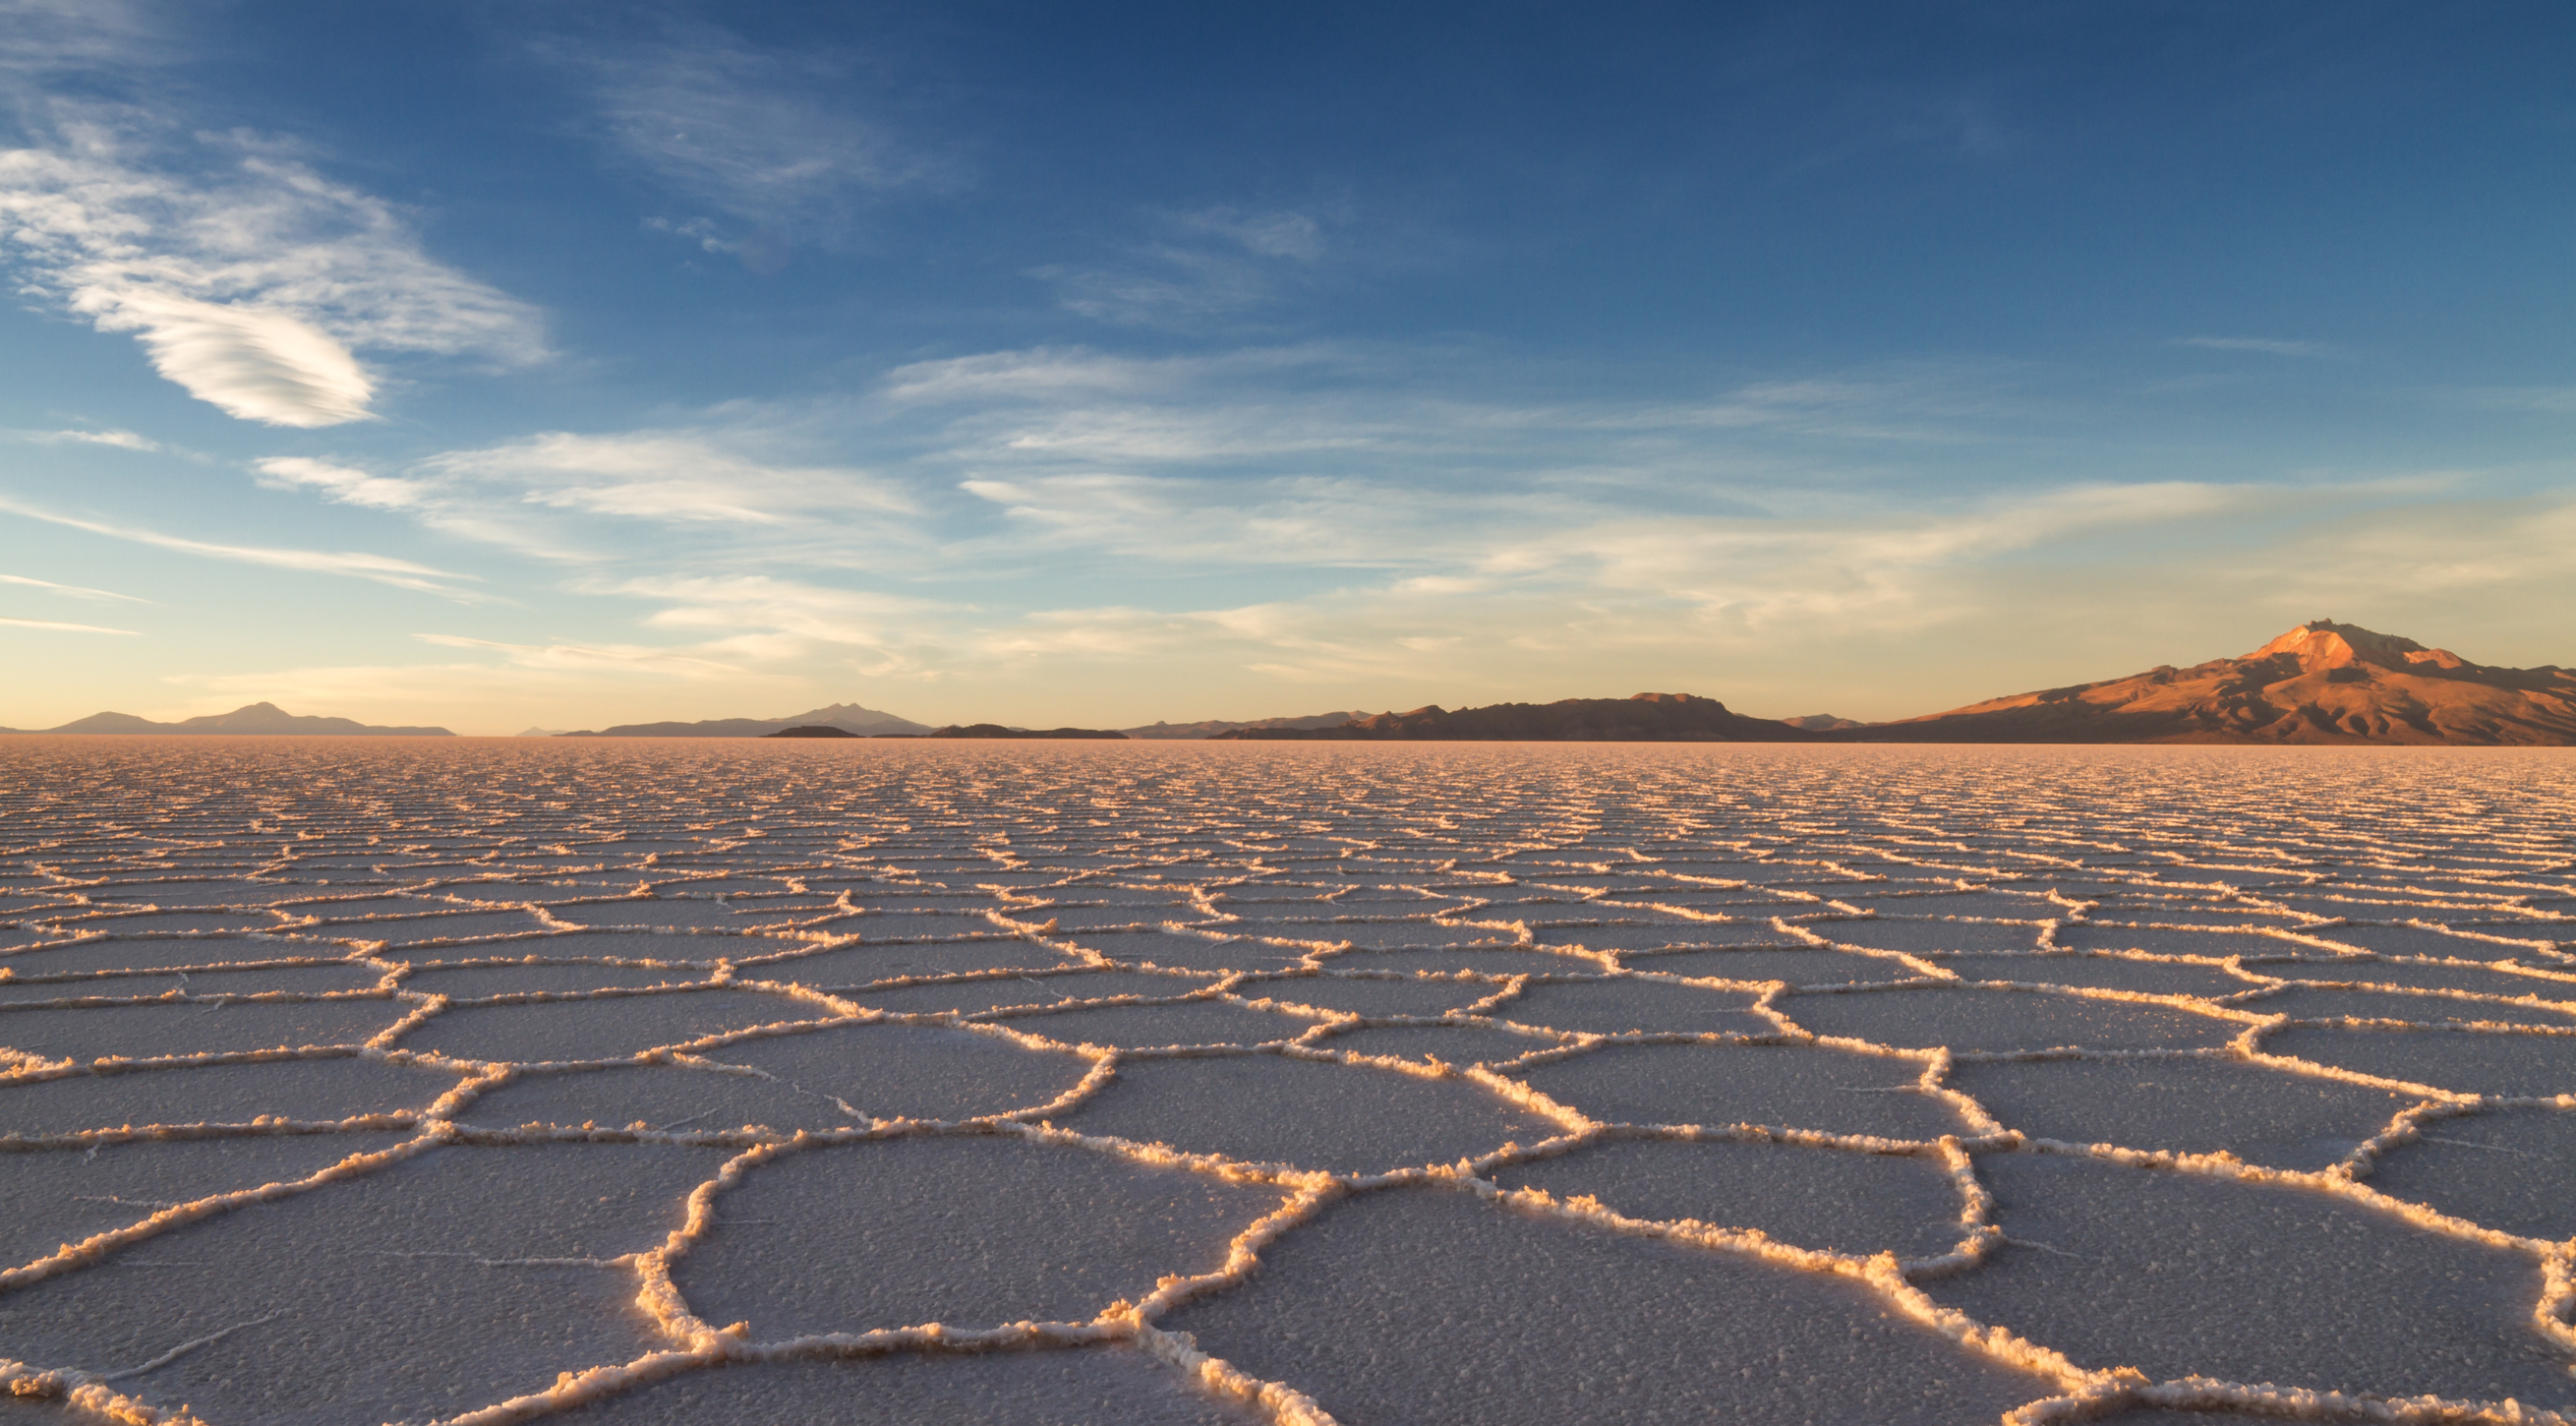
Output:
x=627 y=1084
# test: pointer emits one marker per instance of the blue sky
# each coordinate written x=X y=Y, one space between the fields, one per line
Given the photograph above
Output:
x=563 y=364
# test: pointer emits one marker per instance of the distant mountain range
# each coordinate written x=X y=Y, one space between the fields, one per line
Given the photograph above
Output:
x=848 y=717
x=2322 y=683
x=256 y=718
x=1213 y=726
x=872 y=723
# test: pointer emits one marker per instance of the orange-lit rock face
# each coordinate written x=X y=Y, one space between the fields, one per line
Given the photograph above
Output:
x=2325 y=644
x=2322 y=682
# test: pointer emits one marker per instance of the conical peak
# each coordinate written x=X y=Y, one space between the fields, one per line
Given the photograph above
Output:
x=2325 y=644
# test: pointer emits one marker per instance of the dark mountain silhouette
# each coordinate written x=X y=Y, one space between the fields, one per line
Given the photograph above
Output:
x=1644 y=718
x=2320 y=683
x=848 y=717
x=814 y=730
x=256 y=718
x=1213 y=726
x=996 y=730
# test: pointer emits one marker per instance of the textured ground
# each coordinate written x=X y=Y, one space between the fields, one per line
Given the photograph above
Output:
x=696 y=1082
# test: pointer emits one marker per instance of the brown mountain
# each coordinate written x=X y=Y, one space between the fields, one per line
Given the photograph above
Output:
x=1644 y=718
x=260 y=718
x=2320 y=683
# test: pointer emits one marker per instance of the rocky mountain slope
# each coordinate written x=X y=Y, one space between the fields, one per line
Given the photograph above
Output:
x=2320 y=683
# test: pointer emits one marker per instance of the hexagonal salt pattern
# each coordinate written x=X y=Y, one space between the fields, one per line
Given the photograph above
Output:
x=1078 y=1084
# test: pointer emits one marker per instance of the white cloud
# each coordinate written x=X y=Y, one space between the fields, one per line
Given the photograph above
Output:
x=124 y=440
x=548 y=496
x=251 y=361
x=52 y=626
x=251 y=280
x=73 y=591
x=2555 y=400
x=382 y=569
x=595 y=658
x=37 y=36
x=764 y=604
x=1282 y=233
x=1206 y=264
x=762 y=135
x=673 y=477
x=2268 y=346
x=344 y=486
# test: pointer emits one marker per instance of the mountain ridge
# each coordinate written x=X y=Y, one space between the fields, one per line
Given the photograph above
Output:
x=2321 y=684
x=1643 y=718
x=251 y=719
x=848 y=717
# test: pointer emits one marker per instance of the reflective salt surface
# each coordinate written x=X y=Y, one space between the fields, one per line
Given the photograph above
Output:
x=484 y=1082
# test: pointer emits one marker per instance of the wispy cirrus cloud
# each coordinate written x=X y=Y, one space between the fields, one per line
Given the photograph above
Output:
x=72 y=591
x=2268 y=346
x=122 y=440
x=251 y=281
x=1200 y=264
x=382 y=569
x=594 y=658
x=39 y=37
x=672 y=477
x=767 y=138
x=556 y=495
x=53 y=626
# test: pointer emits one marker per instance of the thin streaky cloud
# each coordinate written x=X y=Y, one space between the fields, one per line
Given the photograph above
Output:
x=764 y=136
x=2552 y=399
x=123 y=440
x=61 y=628
x=341 y=485
x=382 y=569
x=2268 y=346
x=75 y=591
x=681 y=477
x=615 y=658
x=42 y=36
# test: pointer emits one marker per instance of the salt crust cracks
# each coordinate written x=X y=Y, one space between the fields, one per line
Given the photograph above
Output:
x=352 y=924
x=1415 y=1305
x=1087 y=1388
x=2176 y=1273
x=2186 y=1103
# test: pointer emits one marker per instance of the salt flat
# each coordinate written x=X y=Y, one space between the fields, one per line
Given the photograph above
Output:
x=494 y=1081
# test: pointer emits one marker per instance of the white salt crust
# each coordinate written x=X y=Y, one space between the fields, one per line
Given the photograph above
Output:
x=488 y=1082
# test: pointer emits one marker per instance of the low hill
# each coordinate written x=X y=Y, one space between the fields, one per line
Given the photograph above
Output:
x=1213 y=726
x=848 y=717
x=2320 y=683
x=256 y=718
x=1644 y=718
x=996 y=730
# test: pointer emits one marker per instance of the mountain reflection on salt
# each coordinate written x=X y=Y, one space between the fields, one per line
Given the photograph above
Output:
x=495 y=1081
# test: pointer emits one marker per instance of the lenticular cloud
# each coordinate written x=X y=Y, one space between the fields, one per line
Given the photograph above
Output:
x=254 y=362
